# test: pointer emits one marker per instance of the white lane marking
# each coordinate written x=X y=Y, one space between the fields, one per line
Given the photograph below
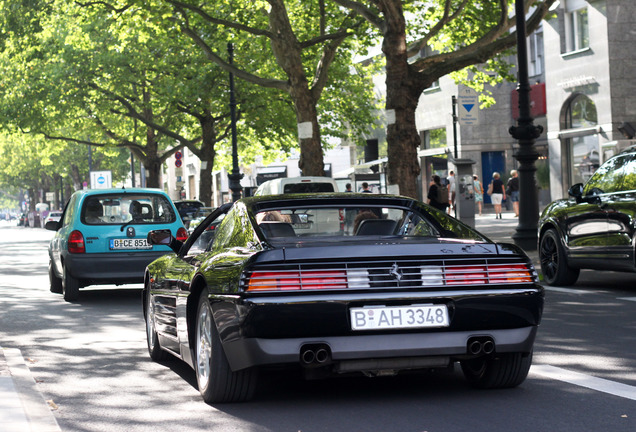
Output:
x=587 y=381
x=627 y=298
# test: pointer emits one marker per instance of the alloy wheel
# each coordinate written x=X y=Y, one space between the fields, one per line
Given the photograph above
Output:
x=204 y=344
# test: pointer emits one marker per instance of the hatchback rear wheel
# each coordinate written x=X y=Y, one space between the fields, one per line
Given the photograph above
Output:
x=70 y=286
x=54 y=281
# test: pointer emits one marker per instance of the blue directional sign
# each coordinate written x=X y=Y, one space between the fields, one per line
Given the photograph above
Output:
x=468 y=101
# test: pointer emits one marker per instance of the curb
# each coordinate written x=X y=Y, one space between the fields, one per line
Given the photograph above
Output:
x=22 y=406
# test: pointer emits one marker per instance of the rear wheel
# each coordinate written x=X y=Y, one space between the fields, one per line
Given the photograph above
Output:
x=217 y=382
x=503 y=371
x=554 y=264
x=154 y=348
x=70 y=286
x=55 y=282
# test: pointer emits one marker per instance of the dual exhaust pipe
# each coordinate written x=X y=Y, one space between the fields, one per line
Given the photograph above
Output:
x=481 y=345
x=315 y=355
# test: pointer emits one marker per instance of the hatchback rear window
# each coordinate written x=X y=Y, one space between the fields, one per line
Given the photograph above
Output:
x=118 y=209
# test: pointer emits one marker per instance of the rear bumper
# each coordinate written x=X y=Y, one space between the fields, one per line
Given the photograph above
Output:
x=246 y=353
x=110 y=268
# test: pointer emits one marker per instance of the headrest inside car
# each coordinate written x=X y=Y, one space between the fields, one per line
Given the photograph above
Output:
x=376 y=227
x=277 y=229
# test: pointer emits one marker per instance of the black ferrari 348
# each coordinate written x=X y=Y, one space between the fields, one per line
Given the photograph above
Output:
x=339 y=284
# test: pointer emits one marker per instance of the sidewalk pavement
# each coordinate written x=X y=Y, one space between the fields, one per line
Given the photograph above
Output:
x=502 y=230
x=23 y=408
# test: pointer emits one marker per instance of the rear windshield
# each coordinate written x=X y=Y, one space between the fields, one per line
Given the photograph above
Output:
x=123 y=208
x=307 y=187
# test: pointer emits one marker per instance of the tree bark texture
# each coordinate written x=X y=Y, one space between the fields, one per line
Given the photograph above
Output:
x=288 y=52
x=402 y=94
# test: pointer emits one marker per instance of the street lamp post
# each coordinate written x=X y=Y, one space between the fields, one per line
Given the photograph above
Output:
x=526 y=133
x=236 y=176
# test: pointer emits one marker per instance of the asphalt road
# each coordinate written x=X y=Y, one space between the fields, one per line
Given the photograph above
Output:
x=90 y=363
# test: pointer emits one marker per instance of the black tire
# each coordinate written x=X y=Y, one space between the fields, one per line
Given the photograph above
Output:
x=217 y=382
x=554 y=263
x=503 y=371
x=70 y=286
x=55 y=283
x=154 y=348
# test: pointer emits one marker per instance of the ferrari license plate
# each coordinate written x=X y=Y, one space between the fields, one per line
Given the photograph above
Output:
x=397 y=317
x=129 y=243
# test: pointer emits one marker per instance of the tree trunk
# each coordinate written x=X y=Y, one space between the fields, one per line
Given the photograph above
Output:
x=311 y=161
x=153 y=172
x=288 y=54
x=401 y=98
x=206 y=156
x=75 y=177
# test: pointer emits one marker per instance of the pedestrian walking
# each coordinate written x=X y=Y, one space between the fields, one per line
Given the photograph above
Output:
x=365 y=188
x=512 y=190
x=479 y=193
x=437 y=194
x=452 y=187
x=497 y=193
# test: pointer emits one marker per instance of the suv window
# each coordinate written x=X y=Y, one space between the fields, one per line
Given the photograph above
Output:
x=113 y=209
x=609 y=177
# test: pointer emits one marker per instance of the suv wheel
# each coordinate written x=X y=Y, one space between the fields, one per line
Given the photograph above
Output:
x=554 y=264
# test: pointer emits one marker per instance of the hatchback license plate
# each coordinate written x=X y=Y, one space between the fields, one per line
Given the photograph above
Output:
x=134 y=243
x=396 y=317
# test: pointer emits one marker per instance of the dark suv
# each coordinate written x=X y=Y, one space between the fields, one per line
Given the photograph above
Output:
x=595 y=229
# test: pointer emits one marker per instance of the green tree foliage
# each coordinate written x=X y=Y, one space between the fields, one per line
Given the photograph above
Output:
x=303 y=49
x=453 y=35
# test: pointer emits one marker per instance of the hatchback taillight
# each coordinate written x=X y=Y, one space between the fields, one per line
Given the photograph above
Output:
x=182 y=234
x=76 y=242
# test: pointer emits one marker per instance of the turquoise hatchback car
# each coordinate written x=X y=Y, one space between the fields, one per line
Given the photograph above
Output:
x=102 y=237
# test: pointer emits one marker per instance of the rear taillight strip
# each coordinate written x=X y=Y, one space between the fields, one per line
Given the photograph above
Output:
x=389 y=275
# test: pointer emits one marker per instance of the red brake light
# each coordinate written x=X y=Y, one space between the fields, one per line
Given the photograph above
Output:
x=294 y=280
x=76 y=242
x=466 y=275
x=182 y=234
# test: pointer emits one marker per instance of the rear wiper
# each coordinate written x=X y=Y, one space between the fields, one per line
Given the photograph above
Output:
x=126 y=224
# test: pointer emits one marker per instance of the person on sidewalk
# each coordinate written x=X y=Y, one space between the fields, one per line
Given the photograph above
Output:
x=452 y=189
x=437 y=195
x=479 y=192
x=512 y=190
x=497 y=193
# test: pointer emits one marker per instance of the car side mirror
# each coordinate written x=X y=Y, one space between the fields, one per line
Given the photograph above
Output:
x=52 y=225
x=576 y=191
x=160 y=237
x=164 y=238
